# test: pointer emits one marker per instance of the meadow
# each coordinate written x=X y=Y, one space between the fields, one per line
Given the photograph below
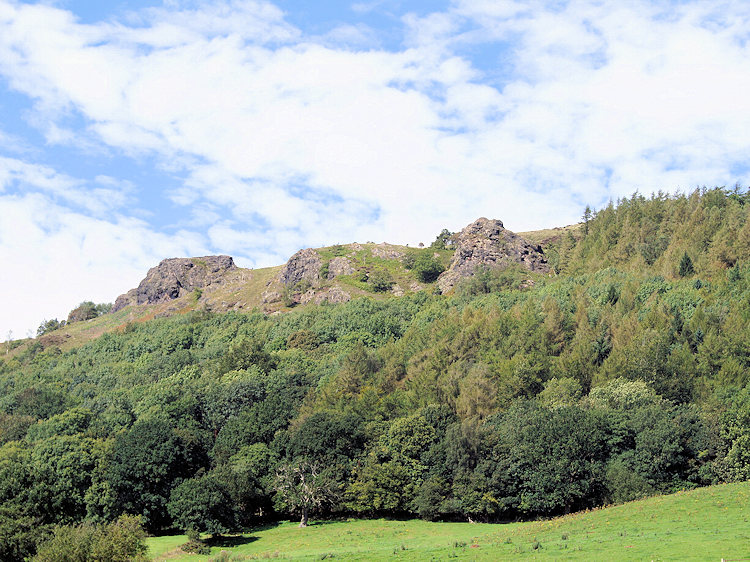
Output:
x=702 y=524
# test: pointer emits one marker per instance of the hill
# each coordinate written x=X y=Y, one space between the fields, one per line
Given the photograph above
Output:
x=609 y=365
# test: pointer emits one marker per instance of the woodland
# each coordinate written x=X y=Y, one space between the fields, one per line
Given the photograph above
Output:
x=623 y=374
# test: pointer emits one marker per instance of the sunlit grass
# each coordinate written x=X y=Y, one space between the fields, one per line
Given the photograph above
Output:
x=708 y=523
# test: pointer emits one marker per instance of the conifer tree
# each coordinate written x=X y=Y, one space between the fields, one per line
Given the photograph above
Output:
x=686 y=266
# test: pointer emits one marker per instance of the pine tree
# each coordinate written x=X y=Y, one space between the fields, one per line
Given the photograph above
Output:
x=686 y=266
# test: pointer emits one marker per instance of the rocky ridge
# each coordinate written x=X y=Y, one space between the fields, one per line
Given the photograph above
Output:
x=312 y=275
x=487 y=243
x=176 y=277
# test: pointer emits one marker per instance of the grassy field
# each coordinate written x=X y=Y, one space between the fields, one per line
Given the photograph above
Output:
x=706 y=524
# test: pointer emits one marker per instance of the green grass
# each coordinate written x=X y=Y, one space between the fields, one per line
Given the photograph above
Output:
x=708 y=523
x=551 y=235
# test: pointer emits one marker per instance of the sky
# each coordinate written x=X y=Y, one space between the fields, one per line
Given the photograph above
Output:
x=133 y=131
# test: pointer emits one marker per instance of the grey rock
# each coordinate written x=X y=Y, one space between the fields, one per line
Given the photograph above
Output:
x=383 y=251
x=334 y=295
x=304 y=265
x=270 y=296
x=487 y=243
x=176 y=277
x=339 y=266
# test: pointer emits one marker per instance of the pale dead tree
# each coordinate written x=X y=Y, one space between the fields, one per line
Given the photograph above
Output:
x=304 y=487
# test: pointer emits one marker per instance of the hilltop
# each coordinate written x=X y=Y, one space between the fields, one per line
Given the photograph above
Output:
x=332 y=274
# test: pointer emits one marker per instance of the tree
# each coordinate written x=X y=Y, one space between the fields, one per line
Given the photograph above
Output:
x=304 y=487
x=84 y=311
x=146 y=463
x=686 y=266
x=443 y=240
x=587 y=214
x=380 y=280
x=427 y=267
x=48 y=326
x=556 y=458
x=202 y=505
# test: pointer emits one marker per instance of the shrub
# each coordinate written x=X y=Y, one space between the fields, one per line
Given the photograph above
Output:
x=196 y=547
x=427 y=267
x=119 y=541
x=380 y=280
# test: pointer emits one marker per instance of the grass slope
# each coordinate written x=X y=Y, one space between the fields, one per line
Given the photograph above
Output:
x=708 y=523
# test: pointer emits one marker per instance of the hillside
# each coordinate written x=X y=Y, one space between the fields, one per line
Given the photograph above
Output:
x=333 y=275
x=608 y=365
x=705 y=524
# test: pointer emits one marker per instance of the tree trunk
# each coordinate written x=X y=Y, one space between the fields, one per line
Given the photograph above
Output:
x=303 y=521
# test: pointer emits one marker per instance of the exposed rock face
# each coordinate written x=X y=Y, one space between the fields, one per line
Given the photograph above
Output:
x=486 y=243
x=387 y=253
x=305 y=264
x=175 y=277
x=339 y=266
x=333 y=295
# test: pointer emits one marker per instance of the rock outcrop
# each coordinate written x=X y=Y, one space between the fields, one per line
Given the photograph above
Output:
x=304 y=265
x=176 y=277
x=339 y=266
x=486 y=243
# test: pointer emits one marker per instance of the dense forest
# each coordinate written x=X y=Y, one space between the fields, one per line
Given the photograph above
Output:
x=623 y=374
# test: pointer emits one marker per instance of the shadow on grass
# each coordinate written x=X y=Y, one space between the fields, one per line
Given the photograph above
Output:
x=274 y=524
x=230 y=541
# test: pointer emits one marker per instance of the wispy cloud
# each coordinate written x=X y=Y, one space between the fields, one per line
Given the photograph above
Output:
x=101 y=197
x=526 y=111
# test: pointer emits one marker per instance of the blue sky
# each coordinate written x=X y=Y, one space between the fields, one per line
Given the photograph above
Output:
x=135 y=131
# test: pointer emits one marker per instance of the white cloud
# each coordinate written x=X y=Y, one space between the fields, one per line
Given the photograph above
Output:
x=288 y=140
x=94 y=199
x=57 y=258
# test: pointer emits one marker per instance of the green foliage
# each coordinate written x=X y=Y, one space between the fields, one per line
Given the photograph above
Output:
x=427 y=267
x=686 y=266
x=556 y=458
x=147 y=462
x=380 y=280
x=202 y=504
x=324 y=269
x=20 y=533
x=246 y=354
x=48 y=326
x=122 y=540
x=486 y=280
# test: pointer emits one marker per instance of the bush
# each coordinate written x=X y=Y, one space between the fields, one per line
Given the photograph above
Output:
x=194 y=546
x=427 y=267
x=380 y=280
x=120 y=541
